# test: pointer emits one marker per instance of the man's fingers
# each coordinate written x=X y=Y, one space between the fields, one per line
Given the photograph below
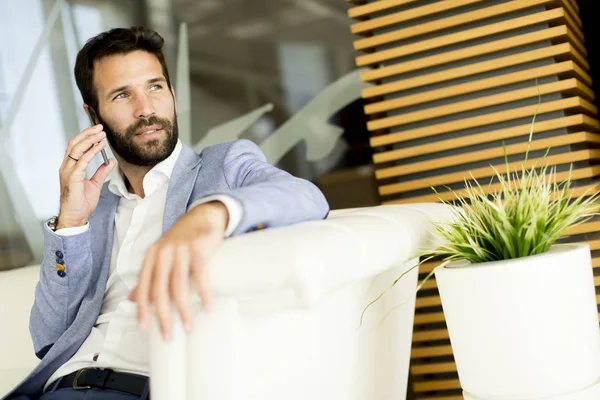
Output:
x=133 y=294
x=86 y=145
x=160 y=291
x=80 y=144
x=143 y=288
x=87 y=132
x=180 y=286
x=102 y=172
x=201 y=280
x=85 y=159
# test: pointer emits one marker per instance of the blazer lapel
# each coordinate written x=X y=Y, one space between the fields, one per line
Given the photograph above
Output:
x=181 y=185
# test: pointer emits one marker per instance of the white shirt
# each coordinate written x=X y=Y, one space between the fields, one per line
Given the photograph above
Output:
x=115 y=341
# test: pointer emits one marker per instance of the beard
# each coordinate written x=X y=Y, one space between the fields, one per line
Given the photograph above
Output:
x=145 y=152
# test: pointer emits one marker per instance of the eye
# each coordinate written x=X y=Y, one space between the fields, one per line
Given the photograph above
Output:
x=155 y=87
x=120 y=96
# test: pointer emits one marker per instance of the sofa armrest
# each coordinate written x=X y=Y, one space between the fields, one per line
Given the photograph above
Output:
x=299 y=264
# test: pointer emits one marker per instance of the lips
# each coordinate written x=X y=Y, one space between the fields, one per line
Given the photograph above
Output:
x=148 y=130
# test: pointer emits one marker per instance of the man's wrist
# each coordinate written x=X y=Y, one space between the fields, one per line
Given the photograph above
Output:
x=214 y=213
x=62 y=223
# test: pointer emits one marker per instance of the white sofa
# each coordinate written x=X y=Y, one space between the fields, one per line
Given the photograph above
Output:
x=287 y=308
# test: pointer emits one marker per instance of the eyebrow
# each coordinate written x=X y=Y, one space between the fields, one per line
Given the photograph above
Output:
x=122 y=88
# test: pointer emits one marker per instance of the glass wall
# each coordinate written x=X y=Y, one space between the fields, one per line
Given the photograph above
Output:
x=280 y=73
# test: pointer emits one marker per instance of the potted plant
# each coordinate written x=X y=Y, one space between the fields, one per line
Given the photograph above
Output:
x=520 y=309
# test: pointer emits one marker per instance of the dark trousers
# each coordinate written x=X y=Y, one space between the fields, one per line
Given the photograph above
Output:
x=89 y=394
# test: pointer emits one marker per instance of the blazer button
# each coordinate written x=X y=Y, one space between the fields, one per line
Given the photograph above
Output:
x=61 y=273
x=59 y=254
x=60 y=260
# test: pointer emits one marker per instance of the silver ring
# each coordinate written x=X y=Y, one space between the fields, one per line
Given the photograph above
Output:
x=72 y=158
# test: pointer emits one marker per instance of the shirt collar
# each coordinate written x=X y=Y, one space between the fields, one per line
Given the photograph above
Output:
x=160 y=173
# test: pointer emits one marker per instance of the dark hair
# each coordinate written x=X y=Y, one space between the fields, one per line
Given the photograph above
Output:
x=112 y=42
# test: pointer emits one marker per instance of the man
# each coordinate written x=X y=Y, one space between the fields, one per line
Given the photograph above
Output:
x=145 y=237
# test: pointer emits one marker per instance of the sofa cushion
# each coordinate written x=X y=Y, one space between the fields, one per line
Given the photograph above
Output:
x=17 y=358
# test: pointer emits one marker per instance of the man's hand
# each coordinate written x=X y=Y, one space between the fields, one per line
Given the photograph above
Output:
x=184 y=251
x=78 y=195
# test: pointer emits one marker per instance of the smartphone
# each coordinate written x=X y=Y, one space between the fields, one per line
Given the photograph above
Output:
x=92 y=123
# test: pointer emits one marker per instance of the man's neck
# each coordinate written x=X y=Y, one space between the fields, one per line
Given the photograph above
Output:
x=134 y=178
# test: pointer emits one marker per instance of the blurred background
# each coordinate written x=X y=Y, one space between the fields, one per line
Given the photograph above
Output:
x=242 y=55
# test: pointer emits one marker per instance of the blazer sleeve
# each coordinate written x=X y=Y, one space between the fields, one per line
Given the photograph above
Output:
x=65 y=276
x=270 y=197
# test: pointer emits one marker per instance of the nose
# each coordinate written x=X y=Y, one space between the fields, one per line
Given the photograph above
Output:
x=144 y=107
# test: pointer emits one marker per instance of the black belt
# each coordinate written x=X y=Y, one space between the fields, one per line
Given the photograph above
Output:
x=105 y=379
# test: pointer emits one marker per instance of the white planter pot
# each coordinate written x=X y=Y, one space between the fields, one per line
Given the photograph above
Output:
x=525 y=328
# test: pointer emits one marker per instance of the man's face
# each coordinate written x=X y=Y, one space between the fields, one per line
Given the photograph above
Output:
x=136 y=107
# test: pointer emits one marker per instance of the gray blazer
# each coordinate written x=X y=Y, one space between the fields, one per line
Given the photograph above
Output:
x=67 y=303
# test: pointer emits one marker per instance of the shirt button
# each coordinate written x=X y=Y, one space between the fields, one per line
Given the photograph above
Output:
x=61 y=273
x=59 y=254
x=60 y=260
x=60 y=267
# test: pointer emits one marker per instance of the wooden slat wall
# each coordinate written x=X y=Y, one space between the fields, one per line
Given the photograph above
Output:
x=455 y=81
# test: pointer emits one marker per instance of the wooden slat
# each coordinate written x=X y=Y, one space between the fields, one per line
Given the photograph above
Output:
x=447 y=196
x=557 y=33
x=477 y=103
x=479 y=155
x=588 y=227
x=480 y=174
x=577 y=43
x=433 y=368
x=487 y=172
x=561 y=52
x=430 y=284
x=409 y=15
x=444 y=23
x=491 y=136
x=565 y=69
x=434 y=334
x=594 y=245
x=465 y=158
x=432 y=351
x=573 y=104
x=588 y=172
x=572 y=12
x=572 y=23
x=462 y=36
x=429 y=266
x=431 y=386
x=378 y=6
x=428 y=318
x=431 y=301
x=574 y=4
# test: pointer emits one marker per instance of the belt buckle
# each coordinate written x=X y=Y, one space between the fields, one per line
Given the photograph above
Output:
x=75 y=381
